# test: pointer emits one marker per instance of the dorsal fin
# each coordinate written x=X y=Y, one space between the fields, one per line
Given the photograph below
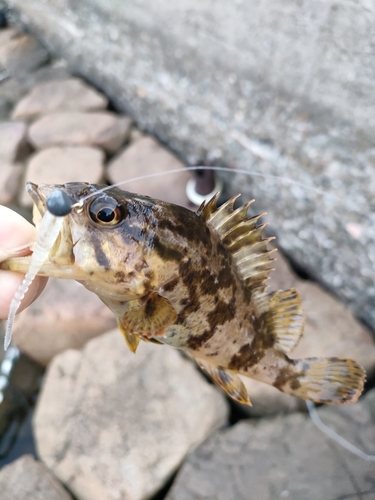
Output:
x=242 y=237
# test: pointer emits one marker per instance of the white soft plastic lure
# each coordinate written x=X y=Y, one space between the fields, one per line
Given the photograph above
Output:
x=58 y=205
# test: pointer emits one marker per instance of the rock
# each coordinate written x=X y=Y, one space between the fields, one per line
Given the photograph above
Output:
x=58 y=165
x=114 y=425
x=286 y=457
x=13 y=144
x=66 y=316
x=26 y=478
x=64 y=95
x=106 y=130
x=146 y=156
x=10 y=179
x=8 y=34
x=273 y=88
x=21 y=53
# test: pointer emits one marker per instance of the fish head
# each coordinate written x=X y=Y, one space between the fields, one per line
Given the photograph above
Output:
x=104 y=240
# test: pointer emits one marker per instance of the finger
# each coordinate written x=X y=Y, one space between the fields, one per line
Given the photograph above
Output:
x=9 y=282
x=15 y=232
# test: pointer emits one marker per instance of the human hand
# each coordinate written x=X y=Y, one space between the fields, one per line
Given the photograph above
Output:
x=15 y=231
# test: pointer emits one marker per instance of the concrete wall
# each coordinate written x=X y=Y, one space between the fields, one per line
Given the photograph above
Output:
x=281 y=87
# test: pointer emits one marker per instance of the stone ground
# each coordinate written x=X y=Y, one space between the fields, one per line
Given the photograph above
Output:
x=110 y=425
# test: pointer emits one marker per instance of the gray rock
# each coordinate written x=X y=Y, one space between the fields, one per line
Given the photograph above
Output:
x=21 y=53
x=58 y=165
x=147 y=157
x=66 y=316
x=106 y=130
x=273 y=87
x=114 y=425
x=27 y=479
x=287 y=457
x=61 y=95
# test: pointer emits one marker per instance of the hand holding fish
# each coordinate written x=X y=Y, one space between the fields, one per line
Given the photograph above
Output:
x=16 y=235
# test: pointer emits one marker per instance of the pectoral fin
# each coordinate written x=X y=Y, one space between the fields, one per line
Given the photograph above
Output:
x=149 y=317
x=231 y=383
x=132 y=340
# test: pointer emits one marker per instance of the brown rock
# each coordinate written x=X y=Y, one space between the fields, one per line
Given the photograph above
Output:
x=10 y=180
x=65 y=316
x=330 y=330
x=105 y=129
x=58 y=165
x=147 y=156
x=13 y=145
x=21 y=53
x=65 y=95
x=114 y=425
x=25 y=479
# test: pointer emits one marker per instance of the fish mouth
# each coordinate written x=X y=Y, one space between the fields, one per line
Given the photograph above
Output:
x=61 y=252
x=61 y=259
x=39 y=201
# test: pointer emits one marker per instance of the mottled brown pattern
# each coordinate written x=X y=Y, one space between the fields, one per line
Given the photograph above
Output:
x=222 y=313
x=196 y=341
x=244 y=359
x=286 y=376
x=171 y=285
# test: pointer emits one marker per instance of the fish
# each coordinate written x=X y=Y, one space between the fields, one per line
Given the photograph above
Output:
x=195 y=281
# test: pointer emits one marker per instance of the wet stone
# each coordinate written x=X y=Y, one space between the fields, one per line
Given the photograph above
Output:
x=65 y=95
x=102 y=129
x=286 y=457
x=66 y=316
x=111 y=424
x=26 y=479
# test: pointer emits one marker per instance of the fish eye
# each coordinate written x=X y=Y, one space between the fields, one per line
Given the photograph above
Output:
x=105 y=211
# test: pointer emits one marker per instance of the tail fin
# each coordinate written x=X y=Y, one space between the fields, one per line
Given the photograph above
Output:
x=323 y=380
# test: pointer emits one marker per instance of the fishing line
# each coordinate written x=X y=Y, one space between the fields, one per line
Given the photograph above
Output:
x=262 y=175
x=333 y=435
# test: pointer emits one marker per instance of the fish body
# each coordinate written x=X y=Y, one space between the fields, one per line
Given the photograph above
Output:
x=194 y=281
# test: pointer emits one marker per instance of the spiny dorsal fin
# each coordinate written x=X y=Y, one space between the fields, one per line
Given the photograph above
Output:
x=242 y=237
x=230 y=382
x=282 y=316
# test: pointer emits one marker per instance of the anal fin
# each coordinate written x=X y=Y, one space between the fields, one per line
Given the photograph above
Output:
x=149 y=317
x=282 y=316
x=231 y=383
